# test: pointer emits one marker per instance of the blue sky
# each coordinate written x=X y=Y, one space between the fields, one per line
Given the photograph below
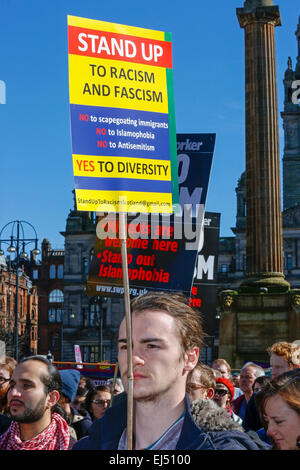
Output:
x=208 y=59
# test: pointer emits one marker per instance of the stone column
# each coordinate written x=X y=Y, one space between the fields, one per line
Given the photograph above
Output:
x=263 y=217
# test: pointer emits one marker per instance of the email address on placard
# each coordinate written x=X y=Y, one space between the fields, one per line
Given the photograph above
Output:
x=114 y=202
x=120 y=290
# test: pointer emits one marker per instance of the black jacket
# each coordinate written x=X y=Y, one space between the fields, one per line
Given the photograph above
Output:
x=105 y=434
x=4 y=423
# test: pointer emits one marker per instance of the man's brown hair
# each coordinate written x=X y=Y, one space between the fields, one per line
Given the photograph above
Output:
x=222 y=362
x=207 y=377
x=177 y=306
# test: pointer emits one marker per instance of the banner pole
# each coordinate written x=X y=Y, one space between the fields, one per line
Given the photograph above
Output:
x=123 y=237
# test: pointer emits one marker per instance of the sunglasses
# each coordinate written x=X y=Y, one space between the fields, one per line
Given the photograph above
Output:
x=221 y=392
x=3 y=380
x=101 y=402
x=191 y=387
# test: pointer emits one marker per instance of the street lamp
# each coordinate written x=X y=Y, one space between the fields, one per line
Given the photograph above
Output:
x=98 y=302
x=17 y=238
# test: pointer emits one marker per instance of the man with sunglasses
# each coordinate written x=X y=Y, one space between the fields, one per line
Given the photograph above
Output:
x=201 y=383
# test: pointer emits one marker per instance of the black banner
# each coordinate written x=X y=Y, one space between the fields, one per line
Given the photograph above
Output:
x=162 y=249
x=204 y=290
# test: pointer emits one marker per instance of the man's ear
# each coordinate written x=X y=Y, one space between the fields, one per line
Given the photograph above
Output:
x=53 y=398
x=209 y=393
x=191 y=358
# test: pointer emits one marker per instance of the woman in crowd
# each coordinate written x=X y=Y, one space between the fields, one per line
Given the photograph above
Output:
x=224 y=394
x=260 y=382
x=7 y=366
x=279 y=407
x=85 y=384
x=97 y=401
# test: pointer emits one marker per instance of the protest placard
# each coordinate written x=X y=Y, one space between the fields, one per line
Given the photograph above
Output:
x=122 y=117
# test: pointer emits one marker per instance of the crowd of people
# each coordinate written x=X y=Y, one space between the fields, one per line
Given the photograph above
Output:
x=179 y=403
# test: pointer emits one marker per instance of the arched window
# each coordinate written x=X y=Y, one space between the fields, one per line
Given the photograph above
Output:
x=56 y=296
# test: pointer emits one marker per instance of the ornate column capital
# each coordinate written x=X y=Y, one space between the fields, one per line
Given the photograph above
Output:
x=269 y=14
x=227 y=300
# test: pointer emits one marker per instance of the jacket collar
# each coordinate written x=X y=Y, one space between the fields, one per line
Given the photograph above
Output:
x=191 y=437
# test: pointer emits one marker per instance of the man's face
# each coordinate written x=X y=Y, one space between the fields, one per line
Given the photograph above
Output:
x=26 y=396
x=196 y=389
x=4 y=380
x=222 y=369
x=78 y=402
x=247 y=379
x=157 y=356
x=278 y=365
x=117 y=389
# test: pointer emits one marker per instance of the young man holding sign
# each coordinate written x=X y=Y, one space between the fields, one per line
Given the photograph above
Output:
x=166 y=339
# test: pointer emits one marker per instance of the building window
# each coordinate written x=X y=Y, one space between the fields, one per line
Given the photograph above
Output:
x=85 y=264
x=35 y=274
x=90 y=353
x=56 y=296
x=105 y=353
x=55 y=315
x=60 y=271
x=224 y=268
x=91 y=315
x=244 y=263
x=58 y=314
x=51 y=315
x=55 y=342
x=52 y=271
x=91 y=254
x=32 y=334
x=288 y=258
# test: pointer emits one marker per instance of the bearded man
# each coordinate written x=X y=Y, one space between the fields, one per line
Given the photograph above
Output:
x=33 y=395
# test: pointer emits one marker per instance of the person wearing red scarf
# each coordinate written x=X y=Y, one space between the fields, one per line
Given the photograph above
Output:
x=33 y=395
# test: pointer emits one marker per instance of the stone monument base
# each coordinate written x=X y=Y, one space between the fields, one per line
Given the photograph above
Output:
x=252 y=322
